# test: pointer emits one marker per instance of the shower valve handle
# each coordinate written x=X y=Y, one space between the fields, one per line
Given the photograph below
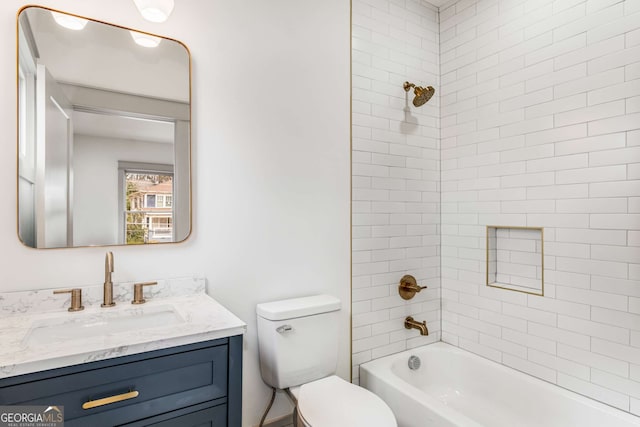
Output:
x=408 y=287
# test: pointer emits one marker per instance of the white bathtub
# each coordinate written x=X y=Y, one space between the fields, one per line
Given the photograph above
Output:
x=453 y=387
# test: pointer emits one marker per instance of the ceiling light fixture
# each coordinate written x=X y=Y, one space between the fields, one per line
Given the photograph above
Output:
x=146 y=40
x=155 y=10
x=69 y=21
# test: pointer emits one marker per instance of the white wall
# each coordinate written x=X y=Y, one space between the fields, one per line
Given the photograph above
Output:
x=396 y=211
x=541 y=127
x=270 y=157
x=95 y=183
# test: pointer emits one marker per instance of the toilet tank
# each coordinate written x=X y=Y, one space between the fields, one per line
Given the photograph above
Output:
x=298 y=339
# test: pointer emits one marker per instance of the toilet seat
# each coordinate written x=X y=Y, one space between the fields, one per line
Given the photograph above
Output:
x=334 y=402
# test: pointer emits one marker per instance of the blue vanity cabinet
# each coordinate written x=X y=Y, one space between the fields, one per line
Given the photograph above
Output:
x=191 y=385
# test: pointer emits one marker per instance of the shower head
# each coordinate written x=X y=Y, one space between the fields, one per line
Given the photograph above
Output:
x=423 y=95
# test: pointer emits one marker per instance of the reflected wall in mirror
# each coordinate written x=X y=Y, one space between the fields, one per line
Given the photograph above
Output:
x=104 y=154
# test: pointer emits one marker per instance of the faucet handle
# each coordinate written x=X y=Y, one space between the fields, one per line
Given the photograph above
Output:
x=76 y=298
x=409 y=286
x=138 y=295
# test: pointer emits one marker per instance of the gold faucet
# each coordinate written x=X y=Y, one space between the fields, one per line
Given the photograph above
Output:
x=409 y=323
x=108 y=284
x=138 y=296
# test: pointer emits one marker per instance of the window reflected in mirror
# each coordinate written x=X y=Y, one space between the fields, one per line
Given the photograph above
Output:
x=104 y=115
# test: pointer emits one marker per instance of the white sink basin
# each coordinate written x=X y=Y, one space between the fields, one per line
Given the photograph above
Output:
x=78 y=326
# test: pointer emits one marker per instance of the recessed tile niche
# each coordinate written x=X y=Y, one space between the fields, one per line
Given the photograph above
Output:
x=515 y=258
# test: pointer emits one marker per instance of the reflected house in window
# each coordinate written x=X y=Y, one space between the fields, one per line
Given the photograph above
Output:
x=149 y=208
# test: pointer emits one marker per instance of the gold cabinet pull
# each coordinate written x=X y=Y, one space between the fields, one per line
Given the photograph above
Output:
x=111 y=399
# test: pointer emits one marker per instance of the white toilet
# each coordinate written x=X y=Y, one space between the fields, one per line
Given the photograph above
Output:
x=297 y=339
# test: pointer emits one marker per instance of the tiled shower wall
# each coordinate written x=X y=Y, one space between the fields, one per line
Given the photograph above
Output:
x=396 y=156
x=541 y=128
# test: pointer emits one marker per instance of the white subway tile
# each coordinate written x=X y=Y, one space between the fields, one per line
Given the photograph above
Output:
x=557 y=191
x=368 y=318
x=557 y=106
x=503 y=346
x=559 y=335
x=614 y=366
x=633 y=104
x=595 y=5
x=632 y=71
x=625 y=385
x=589 y=52
x=556 y=22
x=483 y=157
x=635 y=406
x=616 y=221
x=565 y=278
x=574 y=250
x=603 y=237
x=620 y=286
x=604 y=205
x=596 y=392
x=589 y=83
x=533 y=315
x=530 y=368
x=557 y=134
x=614 y=189
x=559 y=306
x=604 y=268
x=594 y=298
x=594 y=329
x=615 y=253
x=528 y=206
x=613 y=92
x=558 y=220
x=630 y=321
x=555 y=78
x=592 y=24
x=504 y=321
x=529 y=341
x=592 y=174
x=559 y=364
x=614 y=60
x=633 y=238
x=528 y=180
x=615 y=157
x=529 y=153
x=369 y=343
x=588 y=114
x=484 y=351
x=558 y=163
x=631 y=8
x=610 y=26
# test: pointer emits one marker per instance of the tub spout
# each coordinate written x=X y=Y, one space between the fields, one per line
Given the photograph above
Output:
x=409 y=323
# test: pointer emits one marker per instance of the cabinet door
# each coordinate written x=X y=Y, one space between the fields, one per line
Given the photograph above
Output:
x=209 y=417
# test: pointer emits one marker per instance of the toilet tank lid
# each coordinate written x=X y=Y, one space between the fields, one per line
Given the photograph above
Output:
x=298 y=307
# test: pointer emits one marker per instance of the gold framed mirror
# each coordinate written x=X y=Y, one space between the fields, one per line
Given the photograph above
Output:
x=104 y=133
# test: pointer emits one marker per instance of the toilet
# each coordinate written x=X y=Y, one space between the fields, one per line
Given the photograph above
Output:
x=297 y=340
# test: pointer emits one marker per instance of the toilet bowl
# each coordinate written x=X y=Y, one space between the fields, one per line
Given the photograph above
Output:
x=334 y=402
x=298 y=345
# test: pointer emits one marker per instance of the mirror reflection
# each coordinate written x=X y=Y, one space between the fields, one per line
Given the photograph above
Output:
x=104 y=134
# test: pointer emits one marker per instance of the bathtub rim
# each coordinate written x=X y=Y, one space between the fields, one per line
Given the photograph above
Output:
x=381 y=370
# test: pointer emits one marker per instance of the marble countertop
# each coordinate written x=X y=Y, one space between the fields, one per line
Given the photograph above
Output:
x=200 y=318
